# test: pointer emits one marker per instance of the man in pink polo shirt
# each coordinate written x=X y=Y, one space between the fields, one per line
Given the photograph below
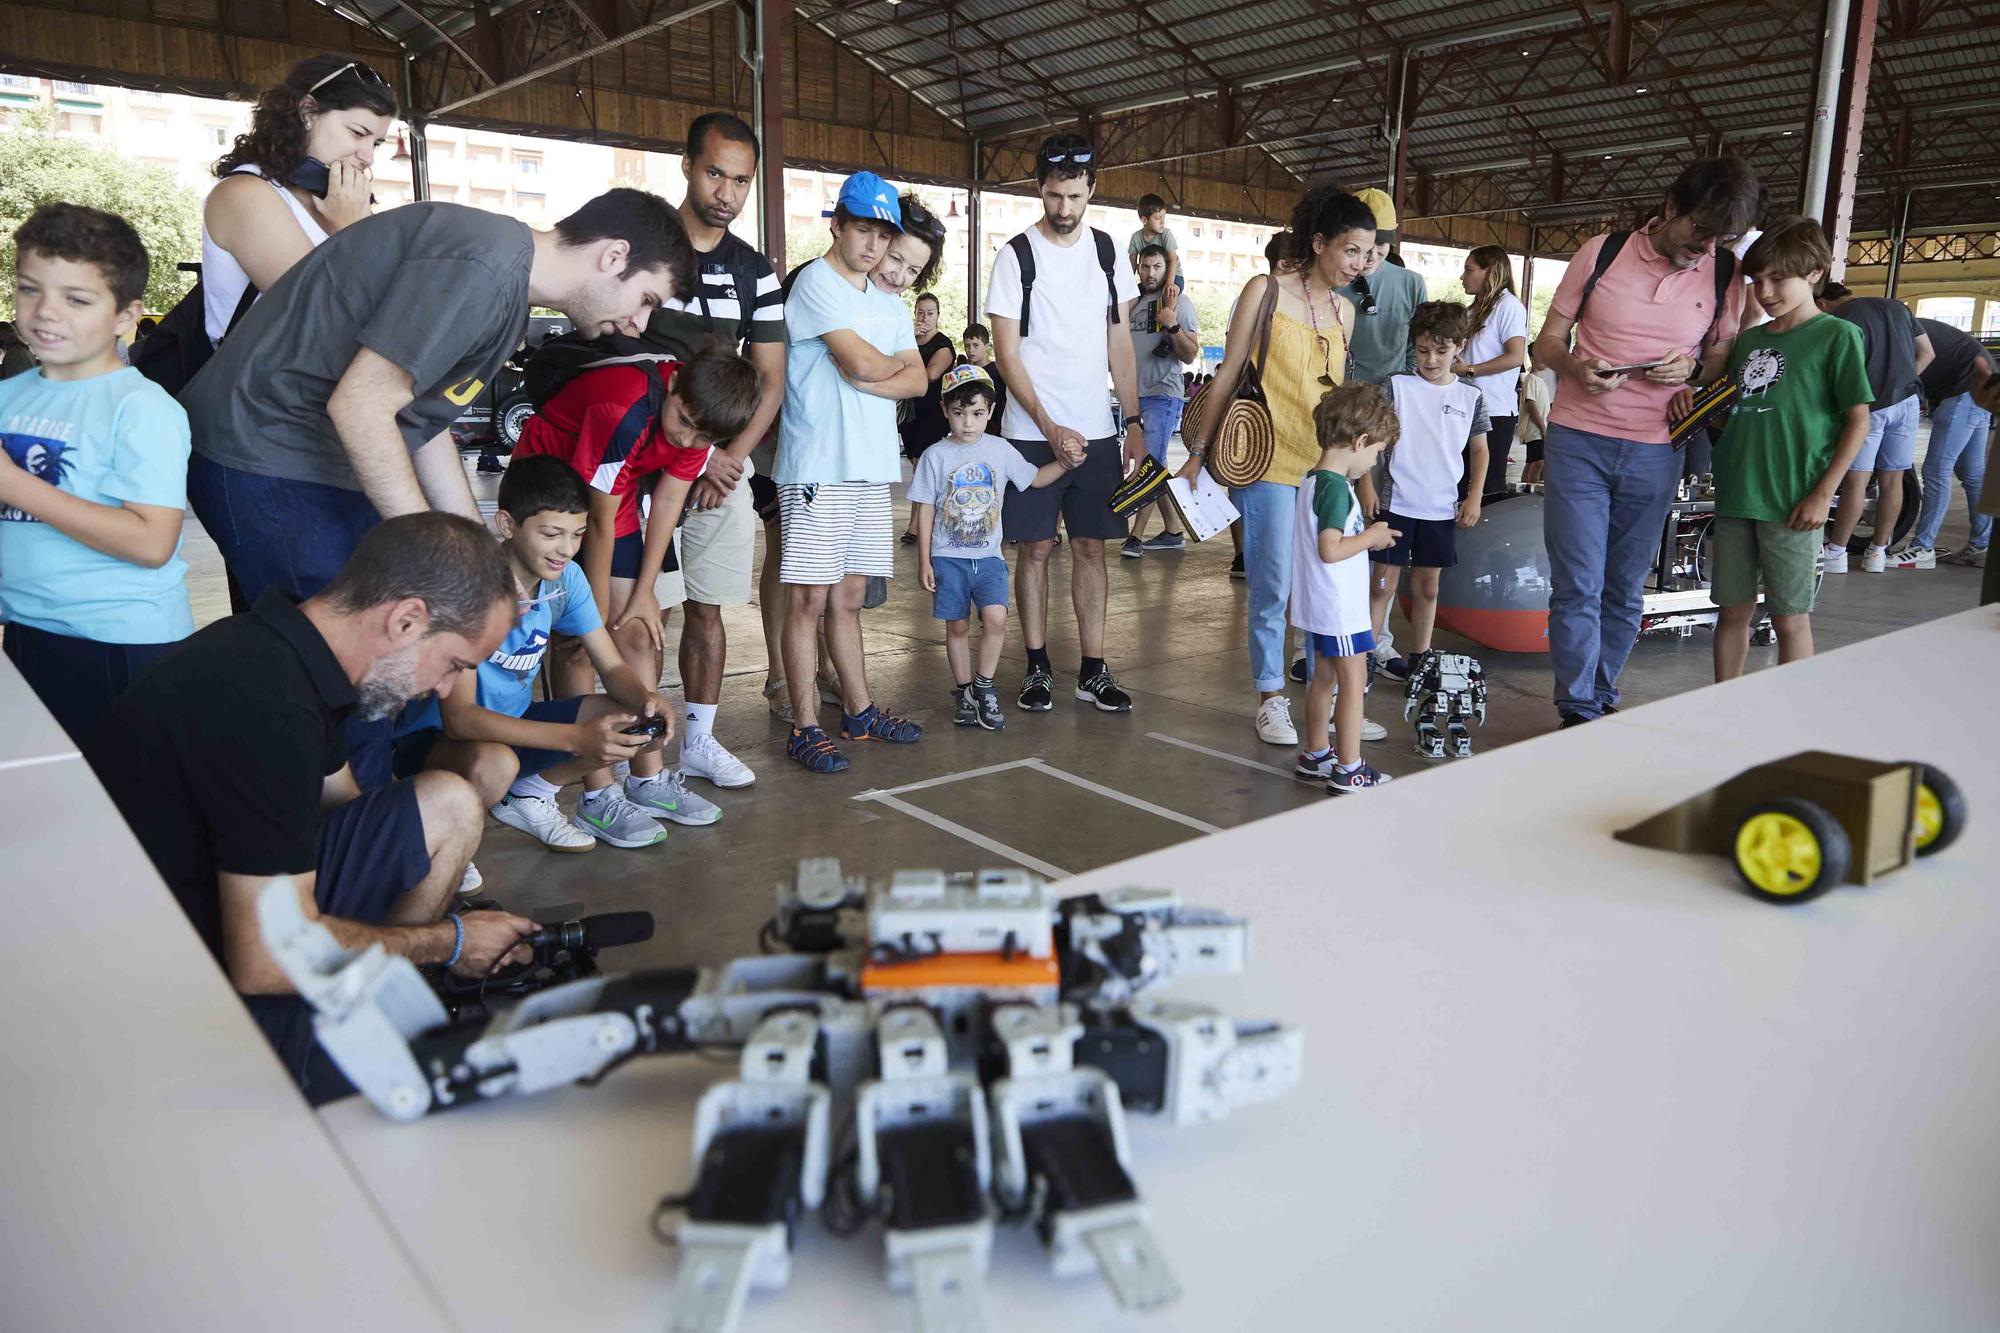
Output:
x=1646 y=326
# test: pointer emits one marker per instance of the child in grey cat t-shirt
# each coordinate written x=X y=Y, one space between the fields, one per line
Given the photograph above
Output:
x=957 y=490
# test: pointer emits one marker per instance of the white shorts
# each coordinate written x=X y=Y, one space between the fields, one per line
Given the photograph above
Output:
x=834 y=529
x=717 y=547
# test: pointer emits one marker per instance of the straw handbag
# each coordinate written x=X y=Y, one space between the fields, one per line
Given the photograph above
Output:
x=1241 y=449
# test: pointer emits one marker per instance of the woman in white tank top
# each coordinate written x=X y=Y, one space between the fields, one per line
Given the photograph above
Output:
x=330 y=110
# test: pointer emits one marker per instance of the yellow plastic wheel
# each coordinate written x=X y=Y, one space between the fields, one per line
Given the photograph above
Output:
x=1930 y=816
x=1790 y=851
x=1940 y=811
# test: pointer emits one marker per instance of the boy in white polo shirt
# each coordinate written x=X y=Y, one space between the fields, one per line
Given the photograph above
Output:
x=1444 y=426
x=1329 y=599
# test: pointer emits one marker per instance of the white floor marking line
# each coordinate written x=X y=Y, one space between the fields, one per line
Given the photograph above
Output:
x=1116 y=795
x=872 y=793
x=40 y=759
x=1034 y=863
x=1219 y=754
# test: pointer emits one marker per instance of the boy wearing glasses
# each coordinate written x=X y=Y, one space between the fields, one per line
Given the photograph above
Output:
x=1443 y=441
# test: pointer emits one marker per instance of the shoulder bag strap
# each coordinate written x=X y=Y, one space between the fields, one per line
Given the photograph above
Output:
x=1024 y=254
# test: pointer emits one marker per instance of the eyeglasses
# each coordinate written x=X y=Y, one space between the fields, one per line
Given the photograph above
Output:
x=1068 y=150
x=1366 y=305
x=361 y=72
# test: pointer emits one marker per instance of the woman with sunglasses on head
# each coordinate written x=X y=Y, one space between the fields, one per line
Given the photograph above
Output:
x=1311 y=326
x=298 y=176
x=1493 y=358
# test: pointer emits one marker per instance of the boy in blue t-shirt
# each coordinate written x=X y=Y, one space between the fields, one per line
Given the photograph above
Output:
x=517 y=751
x=93 y=474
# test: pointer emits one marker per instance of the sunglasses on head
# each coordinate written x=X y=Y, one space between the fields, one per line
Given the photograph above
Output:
x=1070 y=151
x=360 y=71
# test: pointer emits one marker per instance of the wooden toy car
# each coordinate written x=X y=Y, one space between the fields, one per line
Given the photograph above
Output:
x=1796 y=827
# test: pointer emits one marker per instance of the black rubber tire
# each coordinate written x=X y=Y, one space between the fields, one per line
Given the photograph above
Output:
x=1951 y=801
x=511 y=420
x=1835 y=852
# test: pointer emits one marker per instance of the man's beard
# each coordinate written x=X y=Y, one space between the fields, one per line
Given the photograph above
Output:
x=1061 y=226
x=1147 y=286
x=390 y=683
x=714 y=215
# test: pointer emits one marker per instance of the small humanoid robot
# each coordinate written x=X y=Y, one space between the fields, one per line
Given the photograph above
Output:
x=1446 y=693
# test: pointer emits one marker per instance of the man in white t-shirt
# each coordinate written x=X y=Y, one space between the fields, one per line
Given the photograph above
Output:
x=1056 y=351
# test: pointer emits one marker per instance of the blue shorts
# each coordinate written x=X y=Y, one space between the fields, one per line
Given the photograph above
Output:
x=625 y=553
x=1342 y=645
x=371 y=852
x=1892 y=439
x=1430 y=542
x=965 y=584
x=413 y=748
x=77 y=680
x=1161 y=417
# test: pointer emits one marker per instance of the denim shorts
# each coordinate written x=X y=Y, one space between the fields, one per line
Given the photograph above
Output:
x=1892 y=439
x=414 y=747
x=963 y=585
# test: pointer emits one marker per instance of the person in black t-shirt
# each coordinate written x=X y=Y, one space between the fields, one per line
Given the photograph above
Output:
x=228 y=761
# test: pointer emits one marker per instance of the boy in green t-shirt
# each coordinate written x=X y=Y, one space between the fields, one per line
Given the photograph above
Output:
x=1801 y=416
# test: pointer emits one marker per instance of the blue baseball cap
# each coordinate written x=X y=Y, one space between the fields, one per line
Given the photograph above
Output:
x=866 y=195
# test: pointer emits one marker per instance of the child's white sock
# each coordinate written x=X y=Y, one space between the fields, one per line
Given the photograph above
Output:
x=535 y=786
x=593 y=795
x=700 y=720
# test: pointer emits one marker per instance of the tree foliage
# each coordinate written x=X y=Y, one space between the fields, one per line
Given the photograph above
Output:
x=37 y=167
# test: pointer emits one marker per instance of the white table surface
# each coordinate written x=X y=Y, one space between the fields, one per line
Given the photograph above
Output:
x=157 y=1170
x=1552 y=1081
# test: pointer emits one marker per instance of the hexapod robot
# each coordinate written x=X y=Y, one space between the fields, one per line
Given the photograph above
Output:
x=1446 y=692
x=978 y=1040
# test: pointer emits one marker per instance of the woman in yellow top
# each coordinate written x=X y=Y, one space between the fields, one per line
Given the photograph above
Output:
x=1331 y=232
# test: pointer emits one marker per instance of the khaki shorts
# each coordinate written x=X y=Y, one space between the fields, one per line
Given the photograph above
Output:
x=717 y=547
x=1745 y=550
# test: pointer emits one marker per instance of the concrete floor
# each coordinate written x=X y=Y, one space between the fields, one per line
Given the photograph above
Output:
x=1073 y=789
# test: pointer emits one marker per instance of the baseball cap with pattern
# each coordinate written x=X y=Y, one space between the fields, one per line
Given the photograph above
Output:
x=866 y=195
x=961 y=375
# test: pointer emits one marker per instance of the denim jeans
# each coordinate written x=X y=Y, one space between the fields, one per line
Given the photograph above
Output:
x=1161 y=417
x=1602 y=515
x=1958 y=446
x=293 y=536
x=1269 y=510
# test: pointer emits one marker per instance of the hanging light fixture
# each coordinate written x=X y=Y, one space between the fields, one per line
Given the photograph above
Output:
x=952 y=212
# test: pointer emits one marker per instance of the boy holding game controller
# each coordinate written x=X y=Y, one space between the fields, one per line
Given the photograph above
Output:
x=517 y=751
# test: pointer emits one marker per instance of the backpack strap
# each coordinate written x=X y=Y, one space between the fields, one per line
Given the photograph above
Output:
x=1024 y=254
x=1606 y=254
x=1725 y=275
x=1107 y=259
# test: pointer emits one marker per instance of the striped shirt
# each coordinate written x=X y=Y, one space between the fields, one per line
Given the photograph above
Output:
x=716 y=308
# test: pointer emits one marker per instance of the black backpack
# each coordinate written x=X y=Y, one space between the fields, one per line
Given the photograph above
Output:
x=1725 y=274
x=178 y=346
x=559 y=360
x=1107 y=259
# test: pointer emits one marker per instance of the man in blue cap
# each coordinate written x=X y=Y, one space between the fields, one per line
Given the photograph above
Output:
x=852 y=355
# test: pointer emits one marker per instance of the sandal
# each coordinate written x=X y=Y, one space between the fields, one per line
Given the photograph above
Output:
x=778 y=698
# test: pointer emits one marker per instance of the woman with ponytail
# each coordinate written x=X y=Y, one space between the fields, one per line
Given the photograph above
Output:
x=1493 y=358
x=298 y=176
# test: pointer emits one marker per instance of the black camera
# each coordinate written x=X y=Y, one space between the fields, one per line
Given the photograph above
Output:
x=646 y=726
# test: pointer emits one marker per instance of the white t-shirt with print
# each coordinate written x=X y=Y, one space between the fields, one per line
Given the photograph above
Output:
x=1067 y=352
x=1327 y=598
x=1438 y=421
x=1508 y=319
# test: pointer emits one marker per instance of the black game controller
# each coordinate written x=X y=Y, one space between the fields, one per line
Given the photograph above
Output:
x=646 y=726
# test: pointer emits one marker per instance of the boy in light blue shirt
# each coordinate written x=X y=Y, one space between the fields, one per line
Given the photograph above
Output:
x=93 y=474
x=519 y=752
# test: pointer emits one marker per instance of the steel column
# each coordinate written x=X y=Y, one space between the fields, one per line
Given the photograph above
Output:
x=1837 y=213
x=1830 y=83
x=420 y=153
x=1897 y=239
x=973 y=314
x=1528 y=269
x=774 y=21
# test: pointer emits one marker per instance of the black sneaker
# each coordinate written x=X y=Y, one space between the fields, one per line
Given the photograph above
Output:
x=1236 y=569
x=1570 y=720
x=988 y=703
x=1397 y=668
x=1035 y=694
x=1298 y=672
x=1103 y=691
x=964 y=709
x=1132 y=549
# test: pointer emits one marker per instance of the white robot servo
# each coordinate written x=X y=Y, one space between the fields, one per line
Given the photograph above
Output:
x=1445 y=695
x=978 y=1040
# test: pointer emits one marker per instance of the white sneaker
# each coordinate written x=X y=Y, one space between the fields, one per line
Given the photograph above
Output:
x=469 y=882
x=1833 y=559
x=611 y=817
x=1274 y=722
x=1371 y=730
x=543 y=821
x=666 y=796
x=1973 y=556
x=1874 y=560
x=1914 y=557
x=703 y=757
